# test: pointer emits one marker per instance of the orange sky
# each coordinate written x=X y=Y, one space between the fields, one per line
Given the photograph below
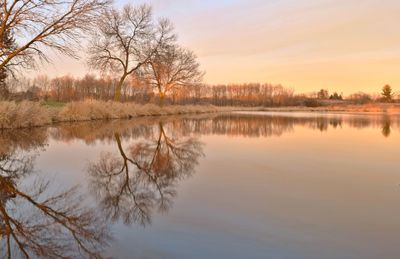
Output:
x=341 y=45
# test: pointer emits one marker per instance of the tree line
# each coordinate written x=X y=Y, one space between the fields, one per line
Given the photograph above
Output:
x=123 y=43
x=68 y=88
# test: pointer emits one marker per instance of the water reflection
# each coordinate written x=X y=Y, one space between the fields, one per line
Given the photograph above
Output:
x=25 y=140
x=151 y=158
x=36 y=222
x=143 y=178
x=386 y=127
x=247 y=125
x=255 y=126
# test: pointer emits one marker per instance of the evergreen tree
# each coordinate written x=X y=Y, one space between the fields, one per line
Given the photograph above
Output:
x=323 y=94
x=387 y=93
x=336 y=96
x=7 y=44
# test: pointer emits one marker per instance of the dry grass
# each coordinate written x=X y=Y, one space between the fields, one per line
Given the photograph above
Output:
x=31 y=114
x=23 y=115
x=365 y=108
x=99 y=110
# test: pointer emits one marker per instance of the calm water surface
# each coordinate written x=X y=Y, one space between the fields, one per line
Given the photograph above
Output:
x=244 y=185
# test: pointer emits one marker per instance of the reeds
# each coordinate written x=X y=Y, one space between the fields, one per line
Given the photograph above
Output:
x=31 y=114
x=28 y=114
x=23 y=115
x=100 y=110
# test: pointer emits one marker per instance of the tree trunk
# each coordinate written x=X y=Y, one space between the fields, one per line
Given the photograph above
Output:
x=117 y=92
x=162 y=98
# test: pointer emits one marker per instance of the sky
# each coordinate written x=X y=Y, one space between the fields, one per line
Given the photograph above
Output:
x=341 y=45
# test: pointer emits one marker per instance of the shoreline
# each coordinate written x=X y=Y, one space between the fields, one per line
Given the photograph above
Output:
x=377 y=108
x=27 y=114
x=34 y=114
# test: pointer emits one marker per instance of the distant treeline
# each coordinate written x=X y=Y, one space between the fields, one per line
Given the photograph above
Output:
x=68 y=88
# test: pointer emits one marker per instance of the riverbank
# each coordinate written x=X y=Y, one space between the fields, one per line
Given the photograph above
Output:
x=376 y=108
x=33 y=114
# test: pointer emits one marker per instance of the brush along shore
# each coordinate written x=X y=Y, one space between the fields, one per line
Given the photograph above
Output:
x=28 y=114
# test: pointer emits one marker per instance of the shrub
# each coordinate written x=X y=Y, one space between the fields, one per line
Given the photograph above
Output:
x=312 y=103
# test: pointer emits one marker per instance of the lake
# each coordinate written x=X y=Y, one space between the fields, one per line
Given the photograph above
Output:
x=240 y=185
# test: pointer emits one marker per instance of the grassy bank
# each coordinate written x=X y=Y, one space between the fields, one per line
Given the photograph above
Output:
x=32 y=114
x=384 y=108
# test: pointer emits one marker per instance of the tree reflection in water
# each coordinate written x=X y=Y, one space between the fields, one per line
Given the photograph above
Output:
x=142 y=179
x=131 y=185
x=234 y=125
x=386 y=127
x=35 y=222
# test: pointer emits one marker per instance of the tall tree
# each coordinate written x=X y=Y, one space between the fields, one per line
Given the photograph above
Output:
x=41 y=25
x=173 y=67
x=126 y=40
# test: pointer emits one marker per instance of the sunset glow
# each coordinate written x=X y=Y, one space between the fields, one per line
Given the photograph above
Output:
x=346 y=46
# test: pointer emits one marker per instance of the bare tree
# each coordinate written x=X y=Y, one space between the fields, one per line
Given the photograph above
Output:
x=173 y=67
x=126 y=40
x=43 y=83
x=39 y=25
